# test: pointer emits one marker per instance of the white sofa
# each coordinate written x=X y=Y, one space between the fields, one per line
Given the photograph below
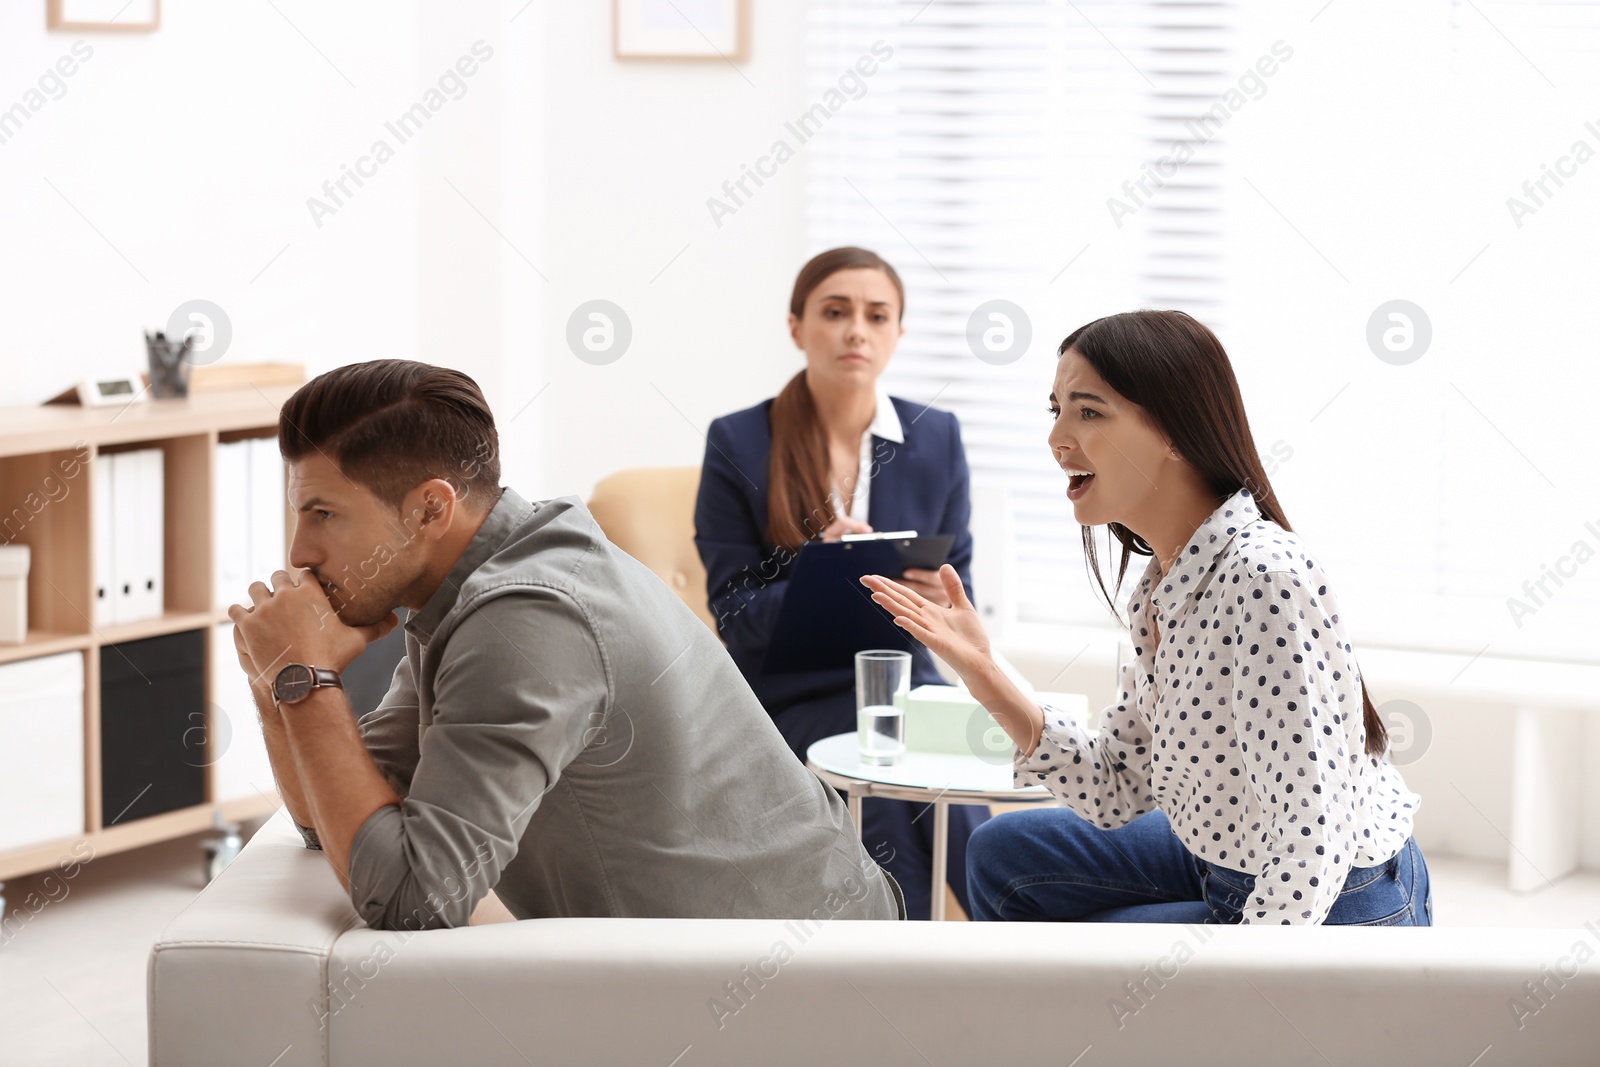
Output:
x=270 y=965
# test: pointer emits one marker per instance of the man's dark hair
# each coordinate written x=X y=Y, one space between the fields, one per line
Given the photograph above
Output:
x=393 y=424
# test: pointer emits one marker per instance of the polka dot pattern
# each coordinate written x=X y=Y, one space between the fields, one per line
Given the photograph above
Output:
x=1240 y=716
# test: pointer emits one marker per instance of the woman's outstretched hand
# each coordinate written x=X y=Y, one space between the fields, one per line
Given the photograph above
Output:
x=955 y=633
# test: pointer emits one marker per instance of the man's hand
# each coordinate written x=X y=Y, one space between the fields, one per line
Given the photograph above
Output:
x=326 y=777
x=293 y=622
x=258 y=683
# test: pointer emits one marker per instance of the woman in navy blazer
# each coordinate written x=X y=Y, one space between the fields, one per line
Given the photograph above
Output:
x=832 y=454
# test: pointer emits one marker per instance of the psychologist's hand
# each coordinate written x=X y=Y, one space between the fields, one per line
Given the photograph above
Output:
x=844 y=524
x=954 y=632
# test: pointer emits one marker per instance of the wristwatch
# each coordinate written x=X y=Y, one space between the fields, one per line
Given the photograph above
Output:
x=296 y=681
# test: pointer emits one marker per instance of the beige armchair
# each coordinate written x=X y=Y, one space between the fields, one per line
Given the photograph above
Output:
x=648 y=512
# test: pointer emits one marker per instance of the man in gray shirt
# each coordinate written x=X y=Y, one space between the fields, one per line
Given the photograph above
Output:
x=563 y=729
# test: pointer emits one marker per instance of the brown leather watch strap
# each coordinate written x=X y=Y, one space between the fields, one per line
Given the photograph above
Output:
x=326 y=676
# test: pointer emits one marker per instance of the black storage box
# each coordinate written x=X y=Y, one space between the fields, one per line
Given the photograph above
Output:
x=152 y=726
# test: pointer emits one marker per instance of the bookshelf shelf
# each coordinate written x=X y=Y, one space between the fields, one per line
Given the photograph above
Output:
x=168 y=622
x=136 y=833
x=50 y=456
x=43 y=643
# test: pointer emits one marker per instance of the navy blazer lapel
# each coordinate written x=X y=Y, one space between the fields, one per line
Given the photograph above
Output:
x=887 y=507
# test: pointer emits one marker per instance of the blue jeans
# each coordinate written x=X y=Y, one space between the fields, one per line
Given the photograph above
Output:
x=1051 y=864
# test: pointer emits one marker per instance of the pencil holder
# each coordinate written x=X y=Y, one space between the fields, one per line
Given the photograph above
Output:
x=169 y=365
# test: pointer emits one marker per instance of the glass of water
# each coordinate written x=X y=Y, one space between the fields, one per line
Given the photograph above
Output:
x=883 y=682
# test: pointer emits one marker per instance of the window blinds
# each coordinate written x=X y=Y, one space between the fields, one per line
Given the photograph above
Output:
x=981 y=160
x=1236 y=160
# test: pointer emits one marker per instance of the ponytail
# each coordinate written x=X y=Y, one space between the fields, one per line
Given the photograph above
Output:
x=797 y=479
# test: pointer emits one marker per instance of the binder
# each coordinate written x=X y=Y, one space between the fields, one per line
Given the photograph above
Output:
x=232 y=522
x=267 y=502
x=148 y=595
x=828 y=615
x=129 y=531
x=125 y=537
x=101 y=522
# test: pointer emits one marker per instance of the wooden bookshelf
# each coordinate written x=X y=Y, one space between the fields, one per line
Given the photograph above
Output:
x=55 y=520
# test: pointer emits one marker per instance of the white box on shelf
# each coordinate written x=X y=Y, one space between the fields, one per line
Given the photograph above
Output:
x=41 y=750
x=14 y=594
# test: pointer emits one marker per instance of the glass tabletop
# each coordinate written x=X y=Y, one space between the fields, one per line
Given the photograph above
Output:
x=937 y=772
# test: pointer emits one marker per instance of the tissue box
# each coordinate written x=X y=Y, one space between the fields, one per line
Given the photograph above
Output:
x=13 y=594
x=945 y=718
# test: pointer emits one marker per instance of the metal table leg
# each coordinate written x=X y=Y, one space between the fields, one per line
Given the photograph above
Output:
x=853 y=797
x=220 y=851
x=941 y=849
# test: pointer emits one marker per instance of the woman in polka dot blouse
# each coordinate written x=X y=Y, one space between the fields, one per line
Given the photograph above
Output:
x=1241 y=776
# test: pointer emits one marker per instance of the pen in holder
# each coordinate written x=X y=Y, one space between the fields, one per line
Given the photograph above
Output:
x=169 y=364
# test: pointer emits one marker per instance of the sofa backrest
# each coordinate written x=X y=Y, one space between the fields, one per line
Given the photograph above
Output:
x=271 y=965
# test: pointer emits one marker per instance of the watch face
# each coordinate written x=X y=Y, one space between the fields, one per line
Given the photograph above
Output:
x=293 y=683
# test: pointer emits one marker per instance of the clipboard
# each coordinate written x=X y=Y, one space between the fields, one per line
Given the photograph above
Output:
x=828 y=615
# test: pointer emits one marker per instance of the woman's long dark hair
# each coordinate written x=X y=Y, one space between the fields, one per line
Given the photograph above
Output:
x=798 y=506
x=1176 y=370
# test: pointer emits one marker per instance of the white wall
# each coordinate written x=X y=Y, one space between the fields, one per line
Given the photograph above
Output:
x=1434 y=490
x=633 y=151
x=192 y=151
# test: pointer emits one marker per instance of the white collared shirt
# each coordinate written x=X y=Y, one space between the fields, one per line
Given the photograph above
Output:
x=1245 y=726
x=885 y=426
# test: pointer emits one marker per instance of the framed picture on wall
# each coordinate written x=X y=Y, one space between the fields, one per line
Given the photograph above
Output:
x=681 y=29
x=127 y=16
